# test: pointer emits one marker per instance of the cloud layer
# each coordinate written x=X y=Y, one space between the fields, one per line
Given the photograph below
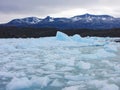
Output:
x=10 y=9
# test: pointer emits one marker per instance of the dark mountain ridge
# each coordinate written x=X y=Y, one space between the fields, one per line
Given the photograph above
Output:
x=87 y=21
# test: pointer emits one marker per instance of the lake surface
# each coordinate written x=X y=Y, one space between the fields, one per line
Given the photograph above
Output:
x=51 y=64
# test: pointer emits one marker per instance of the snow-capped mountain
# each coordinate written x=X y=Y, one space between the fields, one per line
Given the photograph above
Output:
x=81 y=21
x=28 y=20
x=90 y=18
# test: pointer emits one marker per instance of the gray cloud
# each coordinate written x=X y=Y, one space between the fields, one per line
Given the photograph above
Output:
x=47 y=7
x=7 y=6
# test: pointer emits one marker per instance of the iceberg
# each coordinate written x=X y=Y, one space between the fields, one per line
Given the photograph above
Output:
x=62 y=36
x=76 y=37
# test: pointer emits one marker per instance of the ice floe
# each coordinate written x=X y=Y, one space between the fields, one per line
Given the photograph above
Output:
x=60 y=63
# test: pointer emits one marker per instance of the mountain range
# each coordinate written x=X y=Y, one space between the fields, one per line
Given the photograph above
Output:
x=86 y=21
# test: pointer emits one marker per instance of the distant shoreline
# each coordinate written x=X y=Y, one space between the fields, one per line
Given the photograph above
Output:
x=27 y=32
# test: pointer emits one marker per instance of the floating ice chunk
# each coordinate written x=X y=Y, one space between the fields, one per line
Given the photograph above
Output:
x=98 y=54
x=77 y=77
x=115 y=80
x=88 y=40
x=103 y=85
x=97 y=83
x=26 y=84
x=103 y=53
x=111 y=48
x=49 y=67
x=72 y=77
x=110 y=87
x=89 y=56
x=40 y=81
x=71 y=83
x=57 y=83
x=6 y=74
x=66 y=62
x=72 y=88
x=66 y=69
x=83 y=65
x=108 y=62
x=76 y=37
x=117 y=67
x=55 y=76
x=62 y=36
x=18 y=84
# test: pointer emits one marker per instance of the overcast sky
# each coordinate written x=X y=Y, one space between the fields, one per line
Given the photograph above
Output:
x=10 y=9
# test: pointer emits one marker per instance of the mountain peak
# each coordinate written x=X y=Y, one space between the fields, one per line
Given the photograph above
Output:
x=48 y=19
x=87 y=14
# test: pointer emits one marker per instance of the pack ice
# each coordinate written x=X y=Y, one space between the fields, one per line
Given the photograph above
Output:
x=60 y=63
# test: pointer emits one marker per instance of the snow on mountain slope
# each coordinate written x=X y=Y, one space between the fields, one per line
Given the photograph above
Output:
x=28 y=20
x=89 y=17
x=48 y=19
x=81 y=21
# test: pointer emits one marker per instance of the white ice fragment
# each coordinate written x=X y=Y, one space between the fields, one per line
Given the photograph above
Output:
x=71 y=83
x=98 y=54
x=77 y=77
x=103 y=85
x=103 y=53
x=76 y=37
x=62 y=36
x=110 y=48
x=18 y=84
x=97 y=83
x=83 y=65
x=25 y=83
x=88 y=40
x=57 y=83
x=110 y=87
x=115 y=80
x=57 y=76
x=49 y=67
x=117 y=67
x=66 y=62
x=66 y=69
x=108 y=62
x=40 y=81
x=6 y=74
x=72 y=88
